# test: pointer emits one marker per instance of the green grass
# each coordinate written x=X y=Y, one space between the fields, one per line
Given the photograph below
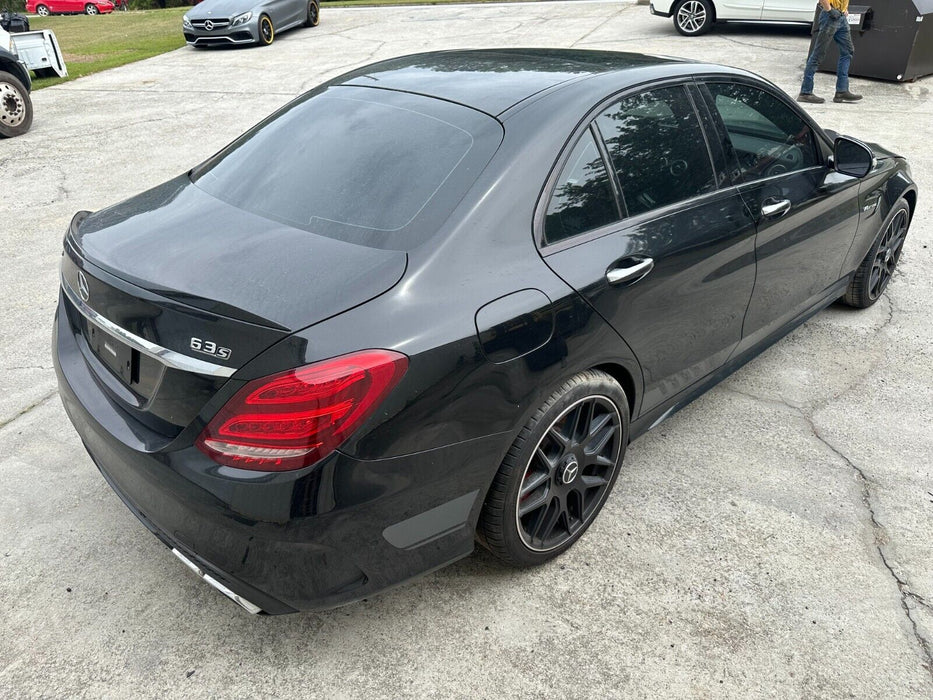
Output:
x=91 y=44
x=96 y=43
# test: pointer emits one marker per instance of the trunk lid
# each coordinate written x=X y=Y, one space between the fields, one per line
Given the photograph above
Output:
x=169 y=293
x=185 y=245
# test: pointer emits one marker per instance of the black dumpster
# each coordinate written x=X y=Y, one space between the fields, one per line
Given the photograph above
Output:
x=893 y=40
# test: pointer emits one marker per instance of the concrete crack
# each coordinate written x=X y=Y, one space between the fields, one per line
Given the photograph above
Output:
x=880 y=537
x=599 y=26
x=29 y=408
x=880 y=540
x=758 y=46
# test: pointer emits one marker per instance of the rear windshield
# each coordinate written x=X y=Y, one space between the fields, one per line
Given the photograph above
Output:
x=374 y=167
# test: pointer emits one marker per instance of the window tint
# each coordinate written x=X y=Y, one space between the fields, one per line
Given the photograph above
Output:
x=356 y=164
x=767 y=137
x=657 y=149
x=583 y=199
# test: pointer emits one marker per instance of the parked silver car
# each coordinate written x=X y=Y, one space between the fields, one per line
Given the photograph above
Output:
x=221 y=22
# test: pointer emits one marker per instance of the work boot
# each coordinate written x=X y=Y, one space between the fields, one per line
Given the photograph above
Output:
x=811 y=98
x=846 y=96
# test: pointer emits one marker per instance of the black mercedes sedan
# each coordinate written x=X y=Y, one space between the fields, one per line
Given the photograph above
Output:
x=431 y=301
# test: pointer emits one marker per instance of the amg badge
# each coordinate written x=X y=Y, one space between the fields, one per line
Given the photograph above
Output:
x=209 y=348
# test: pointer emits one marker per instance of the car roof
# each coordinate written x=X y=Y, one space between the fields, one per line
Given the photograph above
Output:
x=493 y=80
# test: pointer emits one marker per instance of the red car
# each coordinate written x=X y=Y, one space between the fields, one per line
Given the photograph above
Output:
x=64 y=7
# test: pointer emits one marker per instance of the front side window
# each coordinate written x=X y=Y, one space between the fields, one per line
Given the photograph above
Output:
x=767 y=137
x=657 y=149
x=583 y=199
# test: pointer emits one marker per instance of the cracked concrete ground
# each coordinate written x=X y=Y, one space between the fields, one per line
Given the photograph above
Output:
x=770 y=540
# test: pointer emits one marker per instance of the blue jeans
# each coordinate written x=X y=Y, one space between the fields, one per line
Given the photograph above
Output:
x=830 y=30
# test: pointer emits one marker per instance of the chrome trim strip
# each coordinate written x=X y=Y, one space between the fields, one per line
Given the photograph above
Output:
x=167 y=357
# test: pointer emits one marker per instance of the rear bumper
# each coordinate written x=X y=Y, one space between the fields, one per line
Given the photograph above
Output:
x=660 y=13
x=314 y=538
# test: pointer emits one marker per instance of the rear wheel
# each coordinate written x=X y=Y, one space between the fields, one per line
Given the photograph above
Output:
x=558 y=472
x=875 y=271
x=266 y=30
x=314 y=14
x=15 y=106
x=42 y=11
x=91 y=9
x=693 y=17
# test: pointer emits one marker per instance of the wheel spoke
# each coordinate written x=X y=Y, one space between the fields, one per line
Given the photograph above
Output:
x=532 y=484
x=557 y=436
x=548 y=519
x=532 y=505
x=597 y=443
x=581 y=422
x=590 y=481
x=546 y=461
x=603 y=461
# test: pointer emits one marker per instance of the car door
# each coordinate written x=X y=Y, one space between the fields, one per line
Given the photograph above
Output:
x=636 y=222
x=738 y=9
x=806 y=214
x=788 y=10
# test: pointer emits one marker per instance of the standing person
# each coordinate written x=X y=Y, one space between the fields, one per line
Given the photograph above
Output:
x=834 y=26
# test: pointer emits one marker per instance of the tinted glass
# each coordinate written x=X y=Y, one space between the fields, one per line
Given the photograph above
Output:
x=355 y=164
x=767 y=137
x=583 y=199
x=657 y=149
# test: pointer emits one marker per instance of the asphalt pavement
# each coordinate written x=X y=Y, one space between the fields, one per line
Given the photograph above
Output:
x=773 y=539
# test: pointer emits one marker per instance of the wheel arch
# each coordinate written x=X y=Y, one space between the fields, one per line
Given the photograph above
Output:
x=16 y=69
x=625 y=380
x=910 y=196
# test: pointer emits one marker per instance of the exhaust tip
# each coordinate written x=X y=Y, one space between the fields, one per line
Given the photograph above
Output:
x=249 y=607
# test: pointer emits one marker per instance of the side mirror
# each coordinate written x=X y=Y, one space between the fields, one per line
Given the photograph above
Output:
x=851 y=157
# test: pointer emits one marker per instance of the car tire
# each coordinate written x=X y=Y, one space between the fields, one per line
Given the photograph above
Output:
x=558 y=473
x=15 y=106
x=875 y=271
x=42 y=11
x=90 y=9
x=314 y=14
x=266 y=30
x=693 y=17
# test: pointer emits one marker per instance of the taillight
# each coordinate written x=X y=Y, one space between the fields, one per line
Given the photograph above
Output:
x=295 y=418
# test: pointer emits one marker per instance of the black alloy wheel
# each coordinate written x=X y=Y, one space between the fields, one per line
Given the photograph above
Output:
x=693 y=17
x=873 y=274
x=266 y=30
x=558 y=473
x=314 y=14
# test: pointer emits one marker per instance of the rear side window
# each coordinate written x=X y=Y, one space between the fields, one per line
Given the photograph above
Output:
x=373 y=167
x=583 y=199
x=767 y=137
x=657 y=149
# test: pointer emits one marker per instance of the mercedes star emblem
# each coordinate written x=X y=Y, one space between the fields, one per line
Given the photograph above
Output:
x=208 y=25
x=83 y=289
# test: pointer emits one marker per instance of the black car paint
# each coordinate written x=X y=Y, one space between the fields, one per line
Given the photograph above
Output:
x=487 y=343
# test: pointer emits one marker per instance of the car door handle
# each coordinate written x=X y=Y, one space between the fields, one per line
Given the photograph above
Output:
x=775 y=207
x=629 y=270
